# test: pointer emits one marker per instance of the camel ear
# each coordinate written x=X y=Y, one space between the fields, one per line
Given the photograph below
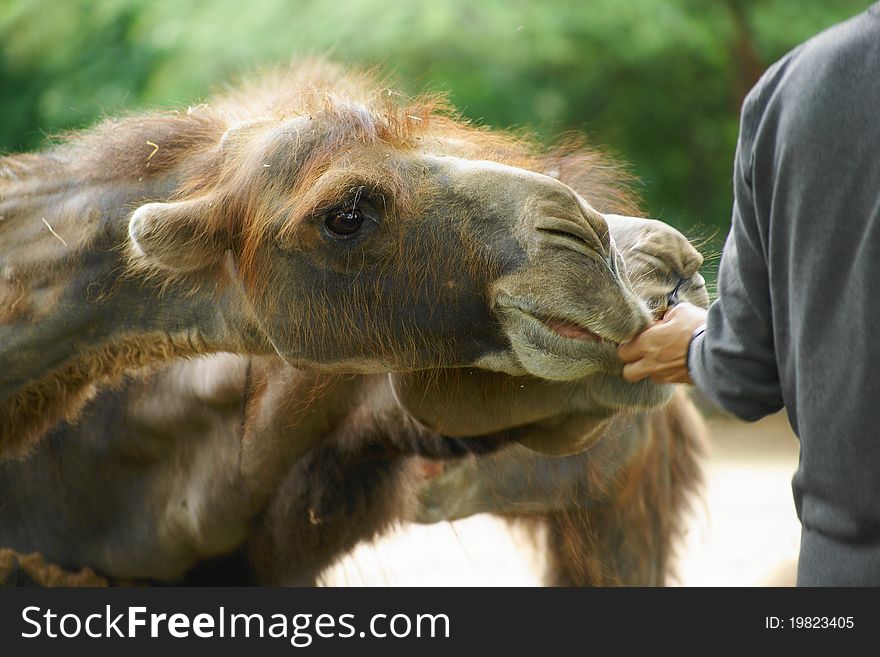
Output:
x=175 y=236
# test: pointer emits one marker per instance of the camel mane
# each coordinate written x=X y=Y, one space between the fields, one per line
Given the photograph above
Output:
x=355 y=107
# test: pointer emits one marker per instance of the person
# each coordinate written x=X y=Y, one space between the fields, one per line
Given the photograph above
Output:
x=796 y=320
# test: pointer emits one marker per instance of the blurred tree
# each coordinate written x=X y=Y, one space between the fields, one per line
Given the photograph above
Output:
x=660 y=83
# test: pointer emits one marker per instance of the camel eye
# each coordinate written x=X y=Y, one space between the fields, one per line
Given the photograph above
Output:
x=344 y=222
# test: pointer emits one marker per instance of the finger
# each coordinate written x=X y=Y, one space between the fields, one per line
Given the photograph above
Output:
x=664 y=377
x=646 y=342
x=630 y=351
x=672 y=312
x=675 y=374
x=681 y=308
x=635 y=371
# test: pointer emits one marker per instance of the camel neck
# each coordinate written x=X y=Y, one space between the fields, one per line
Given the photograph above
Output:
x=70 y=316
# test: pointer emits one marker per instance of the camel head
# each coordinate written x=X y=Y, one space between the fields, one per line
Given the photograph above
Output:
x=563 y=417
x=369 y=233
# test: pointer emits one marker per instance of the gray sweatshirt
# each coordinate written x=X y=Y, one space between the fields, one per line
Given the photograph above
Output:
x=797 y=320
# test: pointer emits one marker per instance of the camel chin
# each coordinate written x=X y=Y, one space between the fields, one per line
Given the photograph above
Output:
x=614 y=392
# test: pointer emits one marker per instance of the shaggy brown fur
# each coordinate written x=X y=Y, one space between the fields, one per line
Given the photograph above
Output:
x=64 y=391
x=617 y=525
x=355 y=486
x=32 y=570
x=350 y=488
x=629 y=538
x=357 y=107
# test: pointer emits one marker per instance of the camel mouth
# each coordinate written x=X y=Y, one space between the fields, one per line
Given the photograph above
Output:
x=567 y=328
x=571 y=330
x=554 y=346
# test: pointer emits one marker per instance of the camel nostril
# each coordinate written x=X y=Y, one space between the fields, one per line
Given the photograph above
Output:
x=672 y=299
x=564 y=230
x=560 y=233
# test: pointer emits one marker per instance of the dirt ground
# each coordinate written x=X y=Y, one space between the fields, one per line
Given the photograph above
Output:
x=742 y=531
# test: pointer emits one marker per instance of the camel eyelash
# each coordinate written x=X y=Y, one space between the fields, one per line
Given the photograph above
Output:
x=357 y=195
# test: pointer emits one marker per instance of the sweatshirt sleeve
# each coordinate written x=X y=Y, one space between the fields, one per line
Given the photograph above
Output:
x=733 y=362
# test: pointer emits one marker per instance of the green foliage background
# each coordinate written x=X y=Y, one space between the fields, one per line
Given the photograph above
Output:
x=659 y=82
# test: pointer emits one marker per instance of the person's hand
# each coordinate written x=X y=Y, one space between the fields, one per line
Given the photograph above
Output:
x=660 y=351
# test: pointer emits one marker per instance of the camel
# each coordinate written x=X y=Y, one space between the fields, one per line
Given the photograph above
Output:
x=230 y=469
x=318 y=216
